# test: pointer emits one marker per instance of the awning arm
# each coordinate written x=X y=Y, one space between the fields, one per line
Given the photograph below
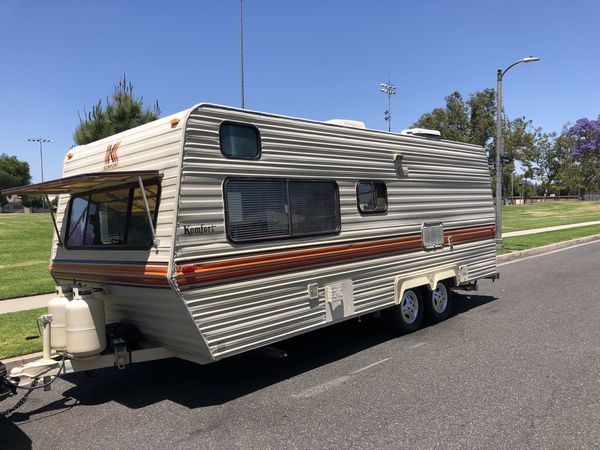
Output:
x=155 y=241
x=60 y=243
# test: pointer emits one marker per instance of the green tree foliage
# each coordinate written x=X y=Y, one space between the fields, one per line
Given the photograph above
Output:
x=122 y=112
x=470 y=121
x=13 y=173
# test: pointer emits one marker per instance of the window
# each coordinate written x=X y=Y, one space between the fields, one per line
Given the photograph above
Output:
x=239 y=141
x=260 y=210
x=112 y=218
x=371 y=197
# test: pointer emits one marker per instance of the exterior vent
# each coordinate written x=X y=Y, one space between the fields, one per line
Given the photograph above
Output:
x=347 y=123
x=422 y=132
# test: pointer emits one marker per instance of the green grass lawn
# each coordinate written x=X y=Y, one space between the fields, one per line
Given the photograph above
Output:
x=25 y=243
x=13 y=329
x=548 y=214
x=516 y=243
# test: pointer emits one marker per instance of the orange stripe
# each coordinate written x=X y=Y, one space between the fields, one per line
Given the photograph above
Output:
x=154 y=274
x=220 y=271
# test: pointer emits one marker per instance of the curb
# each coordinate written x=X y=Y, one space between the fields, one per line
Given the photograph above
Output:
x=513 y=256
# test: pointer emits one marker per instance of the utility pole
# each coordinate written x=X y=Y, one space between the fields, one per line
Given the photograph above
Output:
x=242 y=51
x=389 y=89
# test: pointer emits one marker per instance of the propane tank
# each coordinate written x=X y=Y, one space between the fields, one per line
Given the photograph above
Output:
x=86 y=330
x=57 y=306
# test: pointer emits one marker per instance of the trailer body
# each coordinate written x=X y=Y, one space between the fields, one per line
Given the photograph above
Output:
x=322 y=223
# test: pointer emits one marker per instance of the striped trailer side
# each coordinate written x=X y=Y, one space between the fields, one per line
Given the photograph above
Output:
x=245 y=295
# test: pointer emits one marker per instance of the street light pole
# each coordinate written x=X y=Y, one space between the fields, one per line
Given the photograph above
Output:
x=500 y=145
x=41 y=140
x=389 y=89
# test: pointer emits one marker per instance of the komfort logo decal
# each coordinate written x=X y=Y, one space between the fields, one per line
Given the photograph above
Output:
x=111 y=157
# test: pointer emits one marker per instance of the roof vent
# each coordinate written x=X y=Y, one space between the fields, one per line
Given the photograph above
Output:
x=422 y=132
x=347 y=123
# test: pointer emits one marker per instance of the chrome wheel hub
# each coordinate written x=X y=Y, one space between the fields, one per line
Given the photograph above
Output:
x=439 y=298
x=409 y=307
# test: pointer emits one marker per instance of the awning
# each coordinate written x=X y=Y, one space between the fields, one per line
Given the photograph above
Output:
x=84 y=182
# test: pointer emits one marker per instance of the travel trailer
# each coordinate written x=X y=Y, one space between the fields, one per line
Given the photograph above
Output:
x=218 y=230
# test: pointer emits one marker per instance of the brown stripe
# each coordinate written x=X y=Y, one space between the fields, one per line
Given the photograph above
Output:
x=213 y=272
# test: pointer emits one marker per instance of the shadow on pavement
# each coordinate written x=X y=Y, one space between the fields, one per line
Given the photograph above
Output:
x=193 y=385
x=11 y=437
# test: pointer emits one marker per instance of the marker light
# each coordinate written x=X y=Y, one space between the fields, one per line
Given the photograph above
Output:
x=69 y=155
x=174 y=122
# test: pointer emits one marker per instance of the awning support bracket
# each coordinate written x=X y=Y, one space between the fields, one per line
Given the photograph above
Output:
x=155 y=241
x=60 y=243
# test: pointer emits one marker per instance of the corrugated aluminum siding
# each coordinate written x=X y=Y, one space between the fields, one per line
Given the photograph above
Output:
x=447 y=182
x=158 y=312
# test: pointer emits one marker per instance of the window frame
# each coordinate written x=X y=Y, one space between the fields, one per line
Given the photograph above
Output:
x=290 y=236
x=131 y=186
x=375 y=211
x=245 y=125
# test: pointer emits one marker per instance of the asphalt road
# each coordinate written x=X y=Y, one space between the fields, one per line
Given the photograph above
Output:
x=516 y=366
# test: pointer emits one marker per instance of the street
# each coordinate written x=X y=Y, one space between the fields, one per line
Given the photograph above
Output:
x=517 y=365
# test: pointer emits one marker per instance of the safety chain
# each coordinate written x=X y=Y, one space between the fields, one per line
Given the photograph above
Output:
x=21 y=402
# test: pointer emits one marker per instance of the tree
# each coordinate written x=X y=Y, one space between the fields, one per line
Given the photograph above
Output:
x=122 y=112
x=470 y=121
x=13 y=173
x=585 y=135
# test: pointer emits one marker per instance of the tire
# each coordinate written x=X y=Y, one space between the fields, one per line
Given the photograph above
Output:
x=406 y=316
x=438 y=303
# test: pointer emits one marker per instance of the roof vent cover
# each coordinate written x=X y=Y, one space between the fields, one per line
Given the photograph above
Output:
x=347 y=123
x=422 y=132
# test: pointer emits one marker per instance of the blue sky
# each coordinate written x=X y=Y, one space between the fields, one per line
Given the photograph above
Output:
x=314 y=59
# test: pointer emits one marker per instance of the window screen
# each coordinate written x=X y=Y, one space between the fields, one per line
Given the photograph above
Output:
x=114 y=218
x=371 y=197
x=259 y=210
x=239 y=141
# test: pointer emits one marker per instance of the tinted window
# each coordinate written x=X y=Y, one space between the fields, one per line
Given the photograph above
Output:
x=314 y=207
x=371 y=196
x=257 y=210
x=239 y=141
x=260 y=210
x=112 y=218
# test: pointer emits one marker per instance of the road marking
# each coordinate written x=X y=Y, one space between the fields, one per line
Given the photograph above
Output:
x=371 y=365
x=320 y=388
x=323 y=387
x=420 y=344
x=547 y=253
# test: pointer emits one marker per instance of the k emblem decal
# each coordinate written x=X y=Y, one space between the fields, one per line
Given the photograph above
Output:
x=111 y=157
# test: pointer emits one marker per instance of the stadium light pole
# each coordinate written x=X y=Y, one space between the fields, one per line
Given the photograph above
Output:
x=389 y=89
x=41 y=142
x=500 y=145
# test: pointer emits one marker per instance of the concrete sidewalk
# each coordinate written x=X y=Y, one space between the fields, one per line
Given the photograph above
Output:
x=24 y=303
x=546 y=229
x=39 y=301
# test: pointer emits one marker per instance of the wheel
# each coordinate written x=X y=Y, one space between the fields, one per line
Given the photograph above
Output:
x=438 y=302
x=406 y=316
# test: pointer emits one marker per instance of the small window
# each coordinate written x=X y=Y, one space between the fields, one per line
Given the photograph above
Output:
x=239 y=141
x=371 y=197
x=260 y=210
x=112 y=218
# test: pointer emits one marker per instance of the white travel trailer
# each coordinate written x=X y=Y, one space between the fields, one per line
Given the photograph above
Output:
x=219 y=230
